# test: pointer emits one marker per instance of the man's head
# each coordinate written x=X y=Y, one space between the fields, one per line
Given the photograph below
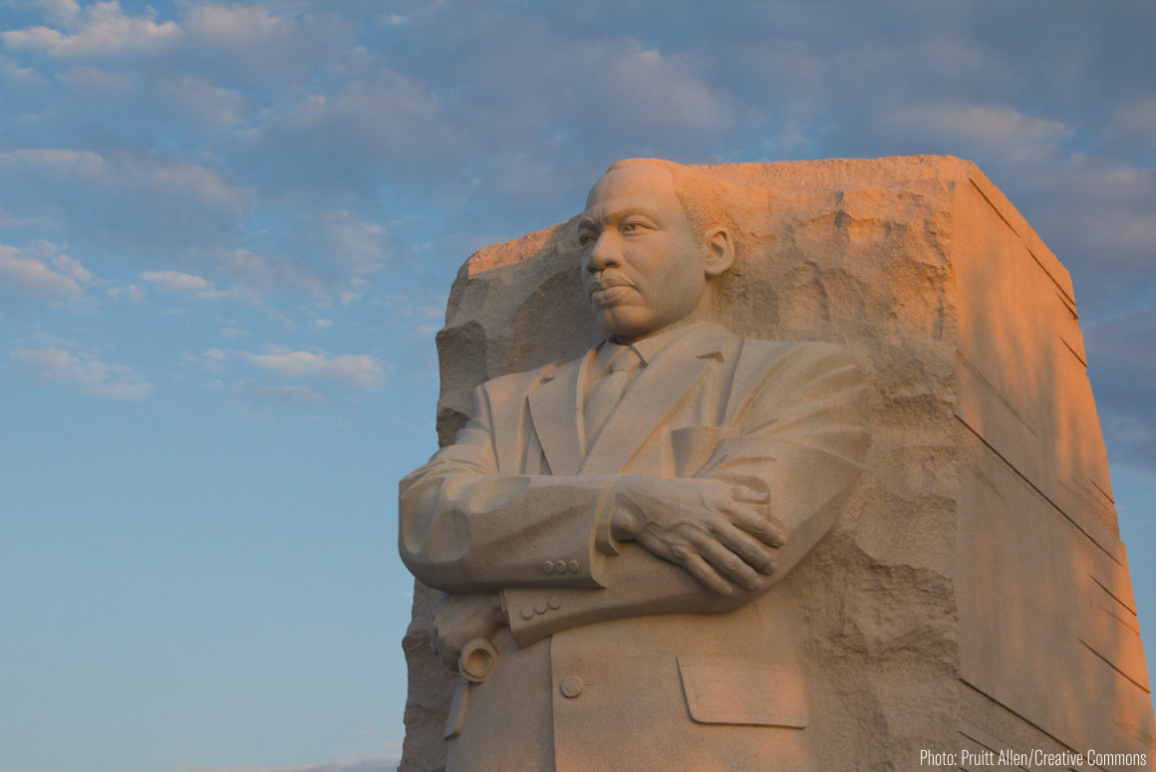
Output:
x=650 y=251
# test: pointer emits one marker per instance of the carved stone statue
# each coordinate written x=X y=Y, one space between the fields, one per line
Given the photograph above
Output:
x=677 y=532
x=594 y=510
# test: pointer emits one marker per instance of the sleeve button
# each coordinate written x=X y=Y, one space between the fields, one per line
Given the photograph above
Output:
x=571 y=687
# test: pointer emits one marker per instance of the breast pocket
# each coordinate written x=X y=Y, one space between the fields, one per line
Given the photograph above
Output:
x=727 y=692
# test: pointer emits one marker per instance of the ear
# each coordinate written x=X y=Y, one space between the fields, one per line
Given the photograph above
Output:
x=720 y=246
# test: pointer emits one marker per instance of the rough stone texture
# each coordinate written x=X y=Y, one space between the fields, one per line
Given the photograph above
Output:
x=975 y=593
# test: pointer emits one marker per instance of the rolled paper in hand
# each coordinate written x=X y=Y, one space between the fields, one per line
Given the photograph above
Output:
x=477 y=660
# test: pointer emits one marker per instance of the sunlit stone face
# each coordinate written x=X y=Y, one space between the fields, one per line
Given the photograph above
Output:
x=643 y=265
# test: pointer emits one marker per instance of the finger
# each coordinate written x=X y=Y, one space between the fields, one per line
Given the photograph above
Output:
x=747 y=494
x=687 y=559
x=729 y=564
x=753 y=552
x=766 y=529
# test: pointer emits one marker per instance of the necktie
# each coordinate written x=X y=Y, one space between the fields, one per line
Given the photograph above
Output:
x=607 y=391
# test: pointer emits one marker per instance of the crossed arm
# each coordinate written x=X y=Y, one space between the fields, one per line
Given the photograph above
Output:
x=594 y=548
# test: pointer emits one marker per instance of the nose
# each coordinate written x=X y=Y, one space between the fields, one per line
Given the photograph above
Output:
x=605 y=253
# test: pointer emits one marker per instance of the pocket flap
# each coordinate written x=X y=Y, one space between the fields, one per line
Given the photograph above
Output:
x=728 y=692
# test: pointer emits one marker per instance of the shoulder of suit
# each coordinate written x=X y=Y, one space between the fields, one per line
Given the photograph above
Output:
x=524 y=381
x=755 y=350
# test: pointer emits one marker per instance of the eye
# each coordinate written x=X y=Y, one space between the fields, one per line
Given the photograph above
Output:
x=585 y=239
x=634 y=226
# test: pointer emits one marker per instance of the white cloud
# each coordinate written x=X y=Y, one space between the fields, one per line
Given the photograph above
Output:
x=1135 y=122
x=380 y=763
x=384 y=120
x=70 y=267
x=185 y=283
x=995 y=131
x=144 y=174
x=359 y=370
x=93 y=81
x=190 y=179
x=355 y=244
x=355 y=292
x=99 y=379
x=31 y=276
x=652 y=91
x=236 y=26
x=260 y=275
x=84 y=162
x=63 y=12
x=132 y=292
x=203 y=100
x=103 y=30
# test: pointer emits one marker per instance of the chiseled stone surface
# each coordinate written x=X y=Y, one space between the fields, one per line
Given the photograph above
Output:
x=973 y=592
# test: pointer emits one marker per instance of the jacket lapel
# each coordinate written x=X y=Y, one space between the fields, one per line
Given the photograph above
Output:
x=554 y=411
x=654 y=393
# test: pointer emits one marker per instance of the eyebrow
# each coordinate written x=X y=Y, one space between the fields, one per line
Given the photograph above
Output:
x=618 y=214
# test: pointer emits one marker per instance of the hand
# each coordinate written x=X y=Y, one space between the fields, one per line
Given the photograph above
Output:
x=718 y=532
x=459 y=618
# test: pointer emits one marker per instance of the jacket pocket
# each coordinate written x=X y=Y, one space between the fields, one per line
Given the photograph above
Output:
x=722 y=691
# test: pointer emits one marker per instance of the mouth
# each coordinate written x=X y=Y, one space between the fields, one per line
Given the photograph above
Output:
x=606 y=290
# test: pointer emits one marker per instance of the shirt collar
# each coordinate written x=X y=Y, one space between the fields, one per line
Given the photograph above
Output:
x=649 y=347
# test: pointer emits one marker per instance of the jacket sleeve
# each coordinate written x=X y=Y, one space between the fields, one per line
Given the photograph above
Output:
x=795 y=429
x=466 y=528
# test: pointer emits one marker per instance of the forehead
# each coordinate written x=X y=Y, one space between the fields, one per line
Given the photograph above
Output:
x=650 y=187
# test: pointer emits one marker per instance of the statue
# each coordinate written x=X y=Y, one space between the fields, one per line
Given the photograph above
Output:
x=609 y=529
x=662 y=539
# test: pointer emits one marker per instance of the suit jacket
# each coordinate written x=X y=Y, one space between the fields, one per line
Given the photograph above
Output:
x=609 y=663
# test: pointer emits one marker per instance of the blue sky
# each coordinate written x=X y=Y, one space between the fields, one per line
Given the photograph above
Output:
x=227 y=234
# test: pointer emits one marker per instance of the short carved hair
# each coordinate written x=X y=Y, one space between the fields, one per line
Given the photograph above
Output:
x=703 y=196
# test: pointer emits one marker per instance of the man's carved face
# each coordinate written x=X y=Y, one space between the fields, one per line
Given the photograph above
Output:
x=643 y=266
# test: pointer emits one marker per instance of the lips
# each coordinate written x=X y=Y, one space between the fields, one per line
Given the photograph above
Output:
x=607 y=290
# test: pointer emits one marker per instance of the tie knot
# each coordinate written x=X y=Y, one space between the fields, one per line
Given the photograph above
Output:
x=624 y=360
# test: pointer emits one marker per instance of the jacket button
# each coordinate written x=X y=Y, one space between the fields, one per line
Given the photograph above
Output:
x=540 y=607
x=560 y=566
x=548 y=567
x=573 y=566
x=571 y=686
x=527 y=612
x=555 y=603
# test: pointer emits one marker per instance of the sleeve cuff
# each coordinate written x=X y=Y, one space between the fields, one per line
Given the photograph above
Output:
x=604 y=540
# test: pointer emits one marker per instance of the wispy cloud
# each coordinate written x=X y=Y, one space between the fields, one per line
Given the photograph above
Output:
x=236 y=26
x=356 y=245
x=96 y=377
x=101 y=29
x=29 y=276
x=358 y=370
x=987 y=130
x=130 y=172
x=184 y=283
x=382 y=763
